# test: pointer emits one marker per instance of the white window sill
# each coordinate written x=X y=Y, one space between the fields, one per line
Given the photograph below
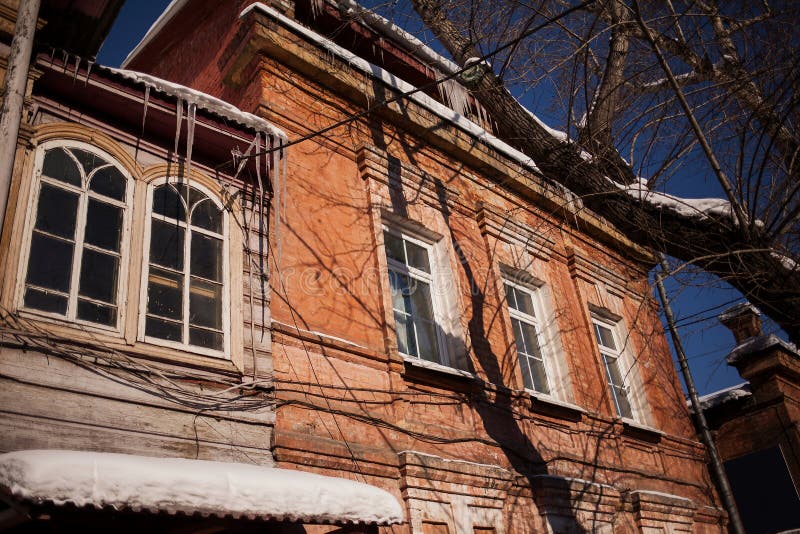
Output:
x=636 y=426
x=439 y=368
x=542 y=398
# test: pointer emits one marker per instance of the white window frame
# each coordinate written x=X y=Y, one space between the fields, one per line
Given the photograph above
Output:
x=536 y=322
x=226 y=289
x=445 y=356
x=624 y=367
x=80 y=225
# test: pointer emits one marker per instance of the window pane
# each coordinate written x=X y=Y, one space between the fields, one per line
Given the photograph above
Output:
x=109 y=182
x=623 y=405
x=421 y=300
x=57 y=164
x=418 y=257
x=207 y=215
x=401 y=300
x=50 y=263
x=97 y=313
x=511 y=297
x=166 y=244
x=103 y=225
x=42 y=300
x=531 y=341
x=539 y=375
x=99 y=276
x=604 y=336
x=526 y=370
x=89 y=160
x=406 y=341
x=519 y=339
x=167 y=202
x=57 y=211
x=205 y=304
x=162 y=329
x=209 y=339
x=165 y=293
x=206 y=257
x=428 y=347
x=614 y=376
x=525 y=303
x=394 y=247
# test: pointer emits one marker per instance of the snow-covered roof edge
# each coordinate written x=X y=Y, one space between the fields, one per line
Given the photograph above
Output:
x=737 y=309
x=179 y=485
x=161 y=21
x=393 y=81
x=203 y=101
x=759 y=344
x=724 y=395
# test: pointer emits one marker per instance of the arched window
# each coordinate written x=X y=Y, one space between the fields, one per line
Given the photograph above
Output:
x=77 y=237
x=186 y=268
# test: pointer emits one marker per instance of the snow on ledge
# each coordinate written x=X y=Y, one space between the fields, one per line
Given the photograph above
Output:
x=202 y=100
x=723 y=395
x=398 y=84
x=128 y=482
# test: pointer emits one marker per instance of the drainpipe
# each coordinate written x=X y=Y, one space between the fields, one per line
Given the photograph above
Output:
x=735 y=522
x=19 y=60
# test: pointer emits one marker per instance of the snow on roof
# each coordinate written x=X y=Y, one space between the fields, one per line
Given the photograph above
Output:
x=736 y=310
x=139 y=483
x=161 y=21
x=393 y=81
x=724 y=395
x=757 y=345
x=699 y=208
x=202 y=100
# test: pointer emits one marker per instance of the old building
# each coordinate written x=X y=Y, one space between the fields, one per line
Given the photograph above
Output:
x=757 y=425
x=407 y=301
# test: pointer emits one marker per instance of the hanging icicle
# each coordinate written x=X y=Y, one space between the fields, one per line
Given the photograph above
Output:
x=76 y=68
x=453 y=94
x=191 y=113
x=146 y=103
x=178 y=126
x=89 y=65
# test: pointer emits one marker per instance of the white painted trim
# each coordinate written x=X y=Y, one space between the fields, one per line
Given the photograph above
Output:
x=226 y=290
x=80 y=223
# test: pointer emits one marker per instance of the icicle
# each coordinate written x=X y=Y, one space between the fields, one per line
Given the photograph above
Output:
x=191 y=113
x=64 y=58
x=243 y=162
x=89 y=65
x=75 y=70
x=179 y=124
x=146 y=103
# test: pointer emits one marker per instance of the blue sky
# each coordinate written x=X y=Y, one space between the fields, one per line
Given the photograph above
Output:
x=696 y=299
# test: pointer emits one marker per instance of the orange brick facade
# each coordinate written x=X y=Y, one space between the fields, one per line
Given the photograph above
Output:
x=468 y=451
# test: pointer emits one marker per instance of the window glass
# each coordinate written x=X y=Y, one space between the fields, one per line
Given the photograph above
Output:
x=186 y=273
x=412 y=302
x=76 y=231
x=526 y=337
x=60 y=166
x=109 y=182
x=611 y=361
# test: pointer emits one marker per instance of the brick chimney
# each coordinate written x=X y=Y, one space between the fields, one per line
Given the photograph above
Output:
x=744 y=320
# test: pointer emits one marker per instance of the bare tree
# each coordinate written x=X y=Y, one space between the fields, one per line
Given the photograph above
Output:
x=652 y=94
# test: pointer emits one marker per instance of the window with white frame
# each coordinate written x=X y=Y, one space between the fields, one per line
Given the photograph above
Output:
x=607 y=336
x=414 y=302
x=185 y=271
x=525 y=310
x=77 y=249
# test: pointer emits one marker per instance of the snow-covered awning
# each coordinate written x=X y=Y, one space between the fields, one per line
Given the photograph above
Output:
x=177 y=485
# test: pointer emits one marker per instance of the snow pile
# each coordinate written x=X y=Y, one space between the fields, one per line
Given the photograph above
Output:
x=724 y=395
x=127 y=482
x=757 y=345
x=736 y=310
x=201 y=100
x=699 y=208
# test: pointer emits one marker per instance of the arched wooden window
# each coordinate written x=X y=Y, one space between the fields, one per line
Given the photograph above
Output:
x=76 y=249
x=186 y=268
